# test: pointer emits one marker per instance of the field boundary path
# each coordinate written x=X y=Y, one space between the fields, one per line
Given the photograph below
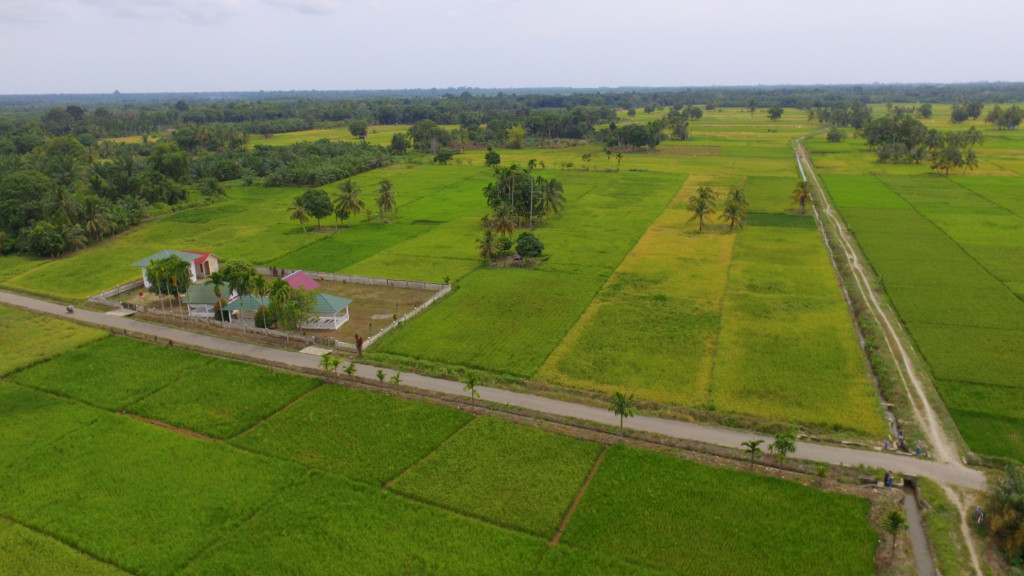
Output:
x=949 y=473
x=944 y=447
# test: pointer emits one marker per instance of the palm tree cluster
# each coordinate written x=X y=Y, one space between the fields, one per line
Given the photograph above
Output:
x=516 y=198
x=704 y=202
x=520 y=198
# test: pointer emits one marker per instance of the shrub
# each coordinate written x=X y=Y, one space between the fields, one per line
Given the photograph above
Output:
x=529 y=246
x=264 y=317
x=504 y=247
x=836 y=134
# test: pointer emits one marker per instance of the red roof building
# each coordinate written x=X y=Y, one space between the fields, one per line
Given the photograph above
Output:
x=300 y=279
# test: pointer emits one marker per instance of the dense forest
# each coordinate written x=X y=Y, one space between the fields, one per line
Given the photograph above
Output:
x=64 y=183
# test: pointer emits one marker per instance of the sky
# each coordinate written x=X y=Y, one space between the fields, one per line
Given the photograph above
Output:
x=99 y=46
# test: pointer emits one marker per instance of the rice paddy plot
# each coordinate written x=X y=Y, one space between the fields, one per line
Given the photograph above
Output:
x=31 y=419
x=788 y=350
x=112 y=373
x=364 y=436
x=329 y=525
x=138 y=496
x=29 y=553
x=646 y=507
x=500 y=319
x=27 y=338
x=651 y=328
x=511 y=475
x=223 y=398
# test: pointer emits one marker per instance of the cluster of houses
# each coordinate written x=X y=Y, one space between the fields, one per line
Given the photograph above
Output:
x=331 y=311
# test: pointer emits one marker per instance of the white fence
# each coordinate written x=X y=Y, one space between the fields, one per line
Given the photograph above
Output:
x=446 y=288
x=105 y=296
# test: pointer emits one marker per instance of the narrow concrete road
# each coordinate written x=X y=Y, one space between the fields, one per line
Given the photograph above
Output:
x=943 y=472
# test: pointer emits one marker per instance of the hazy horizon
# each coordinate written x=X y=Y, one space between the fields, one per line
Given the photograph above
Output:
x=193 y=46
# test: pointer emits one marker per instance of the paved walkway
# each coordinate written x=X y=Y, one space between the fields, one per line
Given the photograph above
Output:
x=949 y=473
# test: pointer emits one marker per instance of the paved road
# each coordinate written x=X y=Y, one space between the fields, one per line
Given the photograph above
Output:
x=949 y=473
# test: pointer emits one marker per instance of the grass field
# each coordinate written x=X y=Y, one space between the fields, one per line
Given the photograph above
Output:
x=90 y=491
x=956 y=277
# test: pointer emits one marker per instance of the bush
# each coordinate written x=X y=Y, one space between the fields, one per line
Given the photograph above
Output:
x=264 y=317
x=836 y=134
x=529 y=246
x=504 y=247
x=45 y=240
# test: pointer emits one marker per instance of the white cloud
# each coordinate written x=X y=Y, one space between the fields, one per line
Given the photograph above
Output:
x=26 y=11
x=307 y=6
x=200 y=12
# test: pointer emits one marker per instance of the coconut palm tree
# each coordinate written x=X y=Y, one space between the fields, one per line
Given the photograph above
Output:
x=503 y=221
x=471 y=384
x=347 y=203
x=386 y=203
x=622 y=406
x=74 y=237
x=552 y=197
x=752 y=447
x=488 y=245
x=734 y=213
x=299 y=212
x=217 y=279
x=802 y=195
x=95 y=216
x=702 y=205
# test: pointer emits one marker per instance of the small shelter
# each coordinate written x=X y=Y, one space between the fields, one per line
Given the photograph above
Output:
x=201 y=300
x=300 y=279
x=332 y=312
x=202 y=264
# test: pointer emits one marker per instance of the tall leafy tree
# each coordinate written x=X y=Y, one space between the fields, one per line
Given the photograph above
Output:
x=318 y=204
x=894 y=523
x=783 y=446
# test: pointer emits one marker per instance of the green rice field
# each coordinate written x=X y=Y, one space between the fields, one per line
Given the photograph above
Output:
x=93 y=490
x=950 y=253
x=629 y=295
